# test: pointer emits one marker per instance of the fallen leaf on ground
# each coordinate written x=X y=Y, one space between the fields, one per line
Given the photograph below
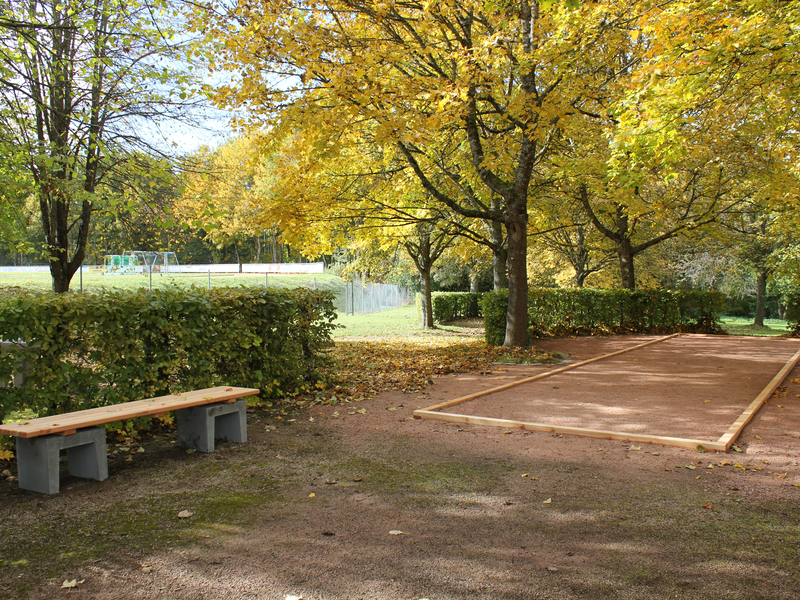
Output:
x=548 y=501
x=71 y=583
x=708 y=506
x=395 y=532
x=185 y=514
x=364 y=368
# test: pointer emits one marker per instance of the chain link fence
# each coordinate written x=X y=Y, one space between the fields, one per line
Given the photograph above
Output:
x=361 y=298
x=351 y=297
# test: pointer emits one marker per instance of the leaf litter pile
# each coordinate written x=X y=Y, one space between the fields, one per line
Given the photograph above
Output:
x=362 y=369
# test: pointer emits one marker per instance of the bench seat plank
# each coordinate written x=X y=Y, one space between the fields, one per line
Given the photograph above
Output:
x=69 y=422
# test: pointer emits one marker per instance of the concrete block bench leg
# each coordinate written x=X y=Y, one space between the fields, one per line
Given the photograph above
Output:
x=200 y=426
x=37 y=458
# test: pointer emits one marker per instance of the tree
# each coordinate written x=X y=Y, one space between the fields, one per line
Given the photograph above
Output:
x=84 y=84
x=219 y=195
x=472 y=96
x=728 y=69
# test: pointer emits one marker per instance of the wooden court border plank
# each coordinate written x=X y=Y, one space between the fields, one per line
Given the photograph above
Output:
x=730 y=436
x=600 y=434
x=723 y=444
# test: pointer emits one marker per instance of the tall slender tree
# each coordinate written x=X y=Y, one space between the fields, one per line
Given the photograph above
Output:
x=85 y=84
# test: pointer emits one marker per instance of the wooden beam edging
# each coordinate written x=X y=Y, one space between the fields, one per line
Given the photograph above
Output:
x=739 y=424
x=601 y=434
x=537 y=377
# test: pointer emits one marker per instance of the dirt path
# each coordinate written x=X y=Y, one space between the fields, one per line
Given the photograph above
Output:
x=312 y=505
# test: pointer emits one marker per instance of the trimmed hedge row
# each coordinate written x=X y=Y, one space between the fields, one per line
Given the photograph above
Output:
x=455 y=305
x=792 y=302
x=583 y=311
x=448 y=306
x=96 y=350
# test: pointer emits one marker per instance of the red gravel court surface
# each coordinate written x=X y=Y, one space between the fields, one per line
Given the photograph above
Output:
x=690 y=386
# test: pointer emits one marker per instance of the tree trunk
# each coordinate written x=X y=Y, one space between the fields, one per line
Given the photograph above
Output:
x=427 y=301
x=474 y=280
x=499 y=251
x=500 y=268
x=517 y=316
x=761 y=298
x=626 y=271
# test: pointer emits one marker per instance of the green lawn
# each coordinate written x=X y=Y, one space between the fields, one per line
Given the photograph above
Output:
x=744 y=326
x=95 y=281
x=401 y=322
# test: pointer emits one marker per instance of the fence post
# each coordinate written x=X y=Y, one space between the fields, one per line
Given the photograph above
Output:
x=209 y=279
x=81 y=269
x=266 y=280
x=151 y=278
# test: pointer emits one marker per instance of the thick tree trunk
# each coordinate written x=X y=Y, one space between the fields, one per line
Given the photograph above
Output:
x=626 y=270
x=517 y=316
x=761 y=298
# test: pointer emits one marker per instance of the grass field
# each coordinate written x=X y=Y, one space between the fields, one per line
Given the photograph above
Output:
x=402 y=322
x=744 y=326
x=96 y=280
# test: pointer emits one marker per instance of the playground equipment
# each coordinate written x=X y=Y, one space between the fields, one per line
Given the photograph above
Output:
x=140 y=262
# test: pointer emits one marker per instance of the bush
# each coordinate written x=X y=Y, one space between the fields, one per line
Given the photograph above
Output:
x=94 y=350
x=792 y=301
x=585 y=311
x=448 y=306
x=494 y=306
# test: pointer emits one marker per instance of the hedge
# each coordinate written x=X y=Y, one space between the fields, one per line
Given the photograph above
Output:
x=448 y=306
x=95 y=350
x=584 y=311
x=792 y=301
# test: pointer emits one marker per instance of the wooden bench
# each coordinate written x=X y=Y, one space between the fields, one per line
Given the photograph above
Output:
x=203 y=416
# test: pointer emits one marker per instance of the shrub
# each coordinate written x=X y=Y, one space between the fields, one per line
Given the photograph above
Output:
x=100 y=349
x=584 y=311
x=792 y=301
x=448 y=306
x=494 y=306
